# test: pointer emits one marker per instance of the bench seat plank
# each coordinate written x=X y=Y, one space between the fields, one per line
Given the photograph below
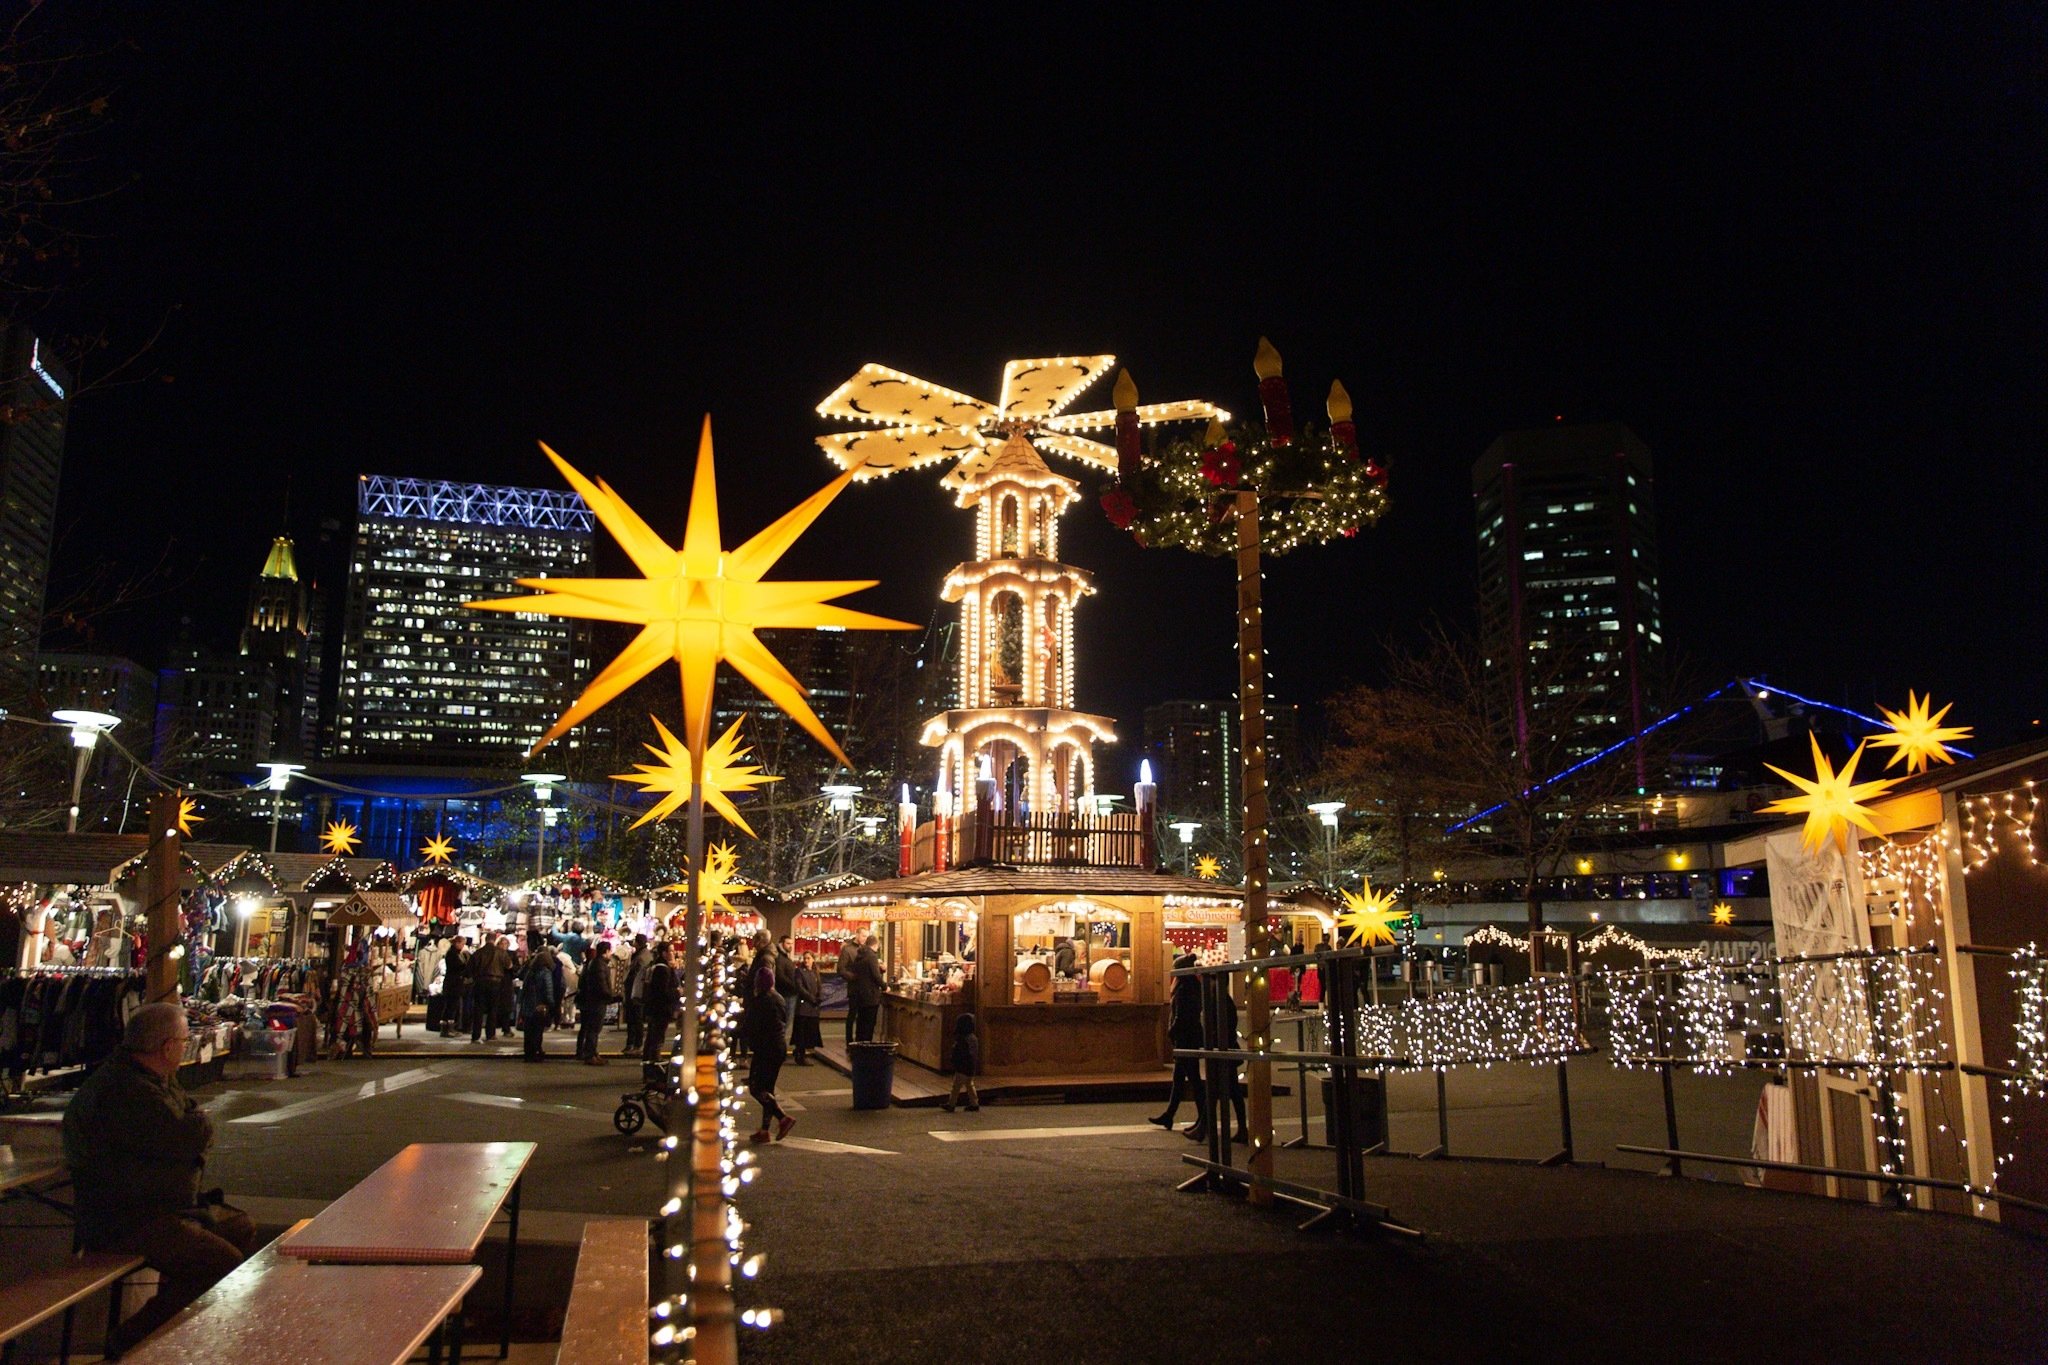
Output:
x=37 y=1298
x=607 y=1319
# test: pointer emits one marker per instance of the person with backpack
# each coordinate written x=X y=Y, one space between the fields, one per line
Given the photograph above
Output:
x=965 y=1061
x=540 y=993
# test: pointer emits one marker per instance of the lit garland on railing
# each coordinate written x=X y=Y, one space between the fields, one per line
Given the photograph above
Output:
x=1534 y=1022
x=1916 y=869
x=1982 y=817
x=2029 y=972
x=1890 y=1016
x=1703 y=1020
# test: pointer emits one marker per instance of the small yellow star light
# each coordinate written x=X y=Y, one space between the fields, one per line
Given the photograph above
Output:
x=438 y=850
x=340 y=838
x=1208 y=868
x=721 y=880
x=1370 y=916
x=1918 y=737
x=697 y=604
x=1830 y=801
x=188 y=815
x=1724 y=913
x=724 y=771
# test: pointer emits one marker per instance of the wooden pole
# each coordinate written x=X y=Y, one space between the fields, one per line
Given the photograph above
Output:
x=160 y=883
x=1251 y=698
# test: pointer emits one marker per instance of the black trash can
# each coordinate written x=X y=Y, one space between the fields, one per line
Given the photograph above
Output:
x=1368 y=1110
x=874 y=1067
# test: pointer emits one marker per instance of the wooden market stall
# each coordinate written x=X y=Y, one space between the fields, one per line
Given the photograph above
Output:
x=366 y=985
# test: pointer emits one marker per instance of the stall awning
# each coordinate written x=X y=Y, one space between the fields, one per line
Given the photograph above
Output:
x=371 y=910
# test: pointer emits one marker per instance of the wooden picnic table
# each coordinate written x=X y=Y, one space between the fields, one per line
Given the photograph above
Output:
x=26 y=1180
x=431 y=1204
x=276 y=1307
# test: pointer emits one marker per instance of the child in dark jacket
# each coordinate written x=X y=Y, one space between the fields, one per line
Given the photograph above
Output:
x=966 y=1060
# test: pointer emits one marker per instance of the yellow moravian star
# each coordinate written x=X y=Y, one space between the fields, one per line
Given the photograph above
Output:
x=188 y=815
x=1370 y=915
x=1831 y=801
x=721 y=880
x=438 y=850
x=340 y=838
x=1208 y=868
x=724 y=772
x=1724 y=913
x=1917 y=737
x=697 y=604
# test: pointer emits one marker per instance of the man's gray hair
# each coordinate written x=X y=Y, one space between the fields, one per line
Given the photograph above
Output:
x=150 y=1027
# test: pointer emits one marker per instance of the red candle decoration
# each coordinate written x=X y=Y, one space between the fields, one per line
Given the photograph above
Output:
x=1343 y=432
x=1120 y=507
x=1128 y=453
x=1273 y=395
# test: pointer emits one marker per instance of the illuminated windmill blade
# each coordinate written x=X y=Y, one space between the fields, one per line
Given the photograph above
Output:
x=871 y=454
x=892 y=398
x=1149 y=414
x=1080 y=448
x=1034 y=390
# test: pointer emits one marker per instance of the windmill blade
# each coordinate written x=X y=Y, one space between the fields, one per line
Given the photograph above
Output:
x=871 y=454
x=1034 y=390
x=1077 y=448
x=1149 y=414
x=892 y=398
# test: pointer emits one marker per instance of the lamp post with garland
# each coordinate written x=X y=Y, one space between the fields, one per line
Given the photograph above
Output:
x=1265 y=491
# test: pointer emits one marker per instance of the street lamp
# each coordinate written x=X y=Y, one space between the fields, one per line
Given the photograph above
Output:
x=840 y=798
x=86 y=729
x=1186 y=830
x=280 y=774
x=544 y=792
x=1327 y=811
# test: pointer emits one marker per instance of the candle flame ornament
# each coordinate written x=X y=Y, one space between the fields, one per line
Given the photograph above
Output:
x=1830 y=801
x=725 y=771
x=188 y=816
x=697 y=604
x=1917 y=737
x=340 y=838
x=439 y=850
x=1370 y=916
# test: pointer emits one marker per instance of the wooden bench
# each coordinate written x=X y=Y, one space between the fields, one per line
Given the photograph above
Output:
x=607 y=1320
x=28 y=1303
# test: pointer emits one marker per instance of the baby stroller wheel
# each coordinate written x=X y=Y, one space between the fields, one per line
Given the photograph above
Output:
x=628 y=1117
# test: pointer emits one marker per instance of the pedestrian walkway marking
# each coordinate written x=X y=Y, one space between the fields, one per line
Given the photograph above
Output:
x=835 y=1148
x=530 y=1106
x=220 y=1101
x=335 y=1099
x=1026 y=1134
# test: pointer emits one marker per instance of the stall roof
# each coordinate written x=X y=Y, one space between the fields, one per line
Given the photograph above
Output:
x=995 y=879
x=370 y=910
x=53 y=858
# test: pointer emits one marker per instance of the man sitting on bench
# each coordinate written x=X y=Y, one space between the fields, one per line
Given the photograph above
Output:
x=136 y=1146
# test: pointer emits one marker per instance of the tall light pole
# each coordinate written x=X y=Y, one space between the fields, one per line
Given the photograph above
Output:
x=840 y=796
x=280 y=775
x=86 y=729
x=544 y=792
x=1186 y=830
x=1327 y=812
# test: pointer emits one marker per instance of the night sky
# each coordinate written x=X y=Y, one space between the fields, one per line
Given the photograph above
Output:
x=1800 y=254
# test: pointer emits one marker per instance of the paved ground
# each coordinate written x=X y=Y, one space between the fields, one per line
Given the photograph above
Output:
x=1054 y=1232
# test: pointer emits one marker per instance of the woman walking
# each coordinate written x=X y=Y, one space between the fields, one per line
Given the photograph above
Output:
x=763 y=1024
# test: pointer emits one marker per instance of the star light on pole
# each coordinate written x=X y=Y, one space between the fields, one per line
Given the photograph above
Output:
x=188 y=816
x=340 y=838
x=1831 y=801
x=1917 y=737
x=439 y=849
x=725 y=771
x=1370 y=916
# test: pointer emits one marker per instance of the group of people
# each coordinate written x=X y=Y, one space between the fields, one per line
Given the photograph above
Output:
x=563 y=979
x=1186 y=1028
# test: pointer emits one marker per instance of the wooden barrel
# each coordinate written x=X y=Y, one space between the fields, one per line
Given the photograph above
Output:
x=1110 y=976
x=1034 y=981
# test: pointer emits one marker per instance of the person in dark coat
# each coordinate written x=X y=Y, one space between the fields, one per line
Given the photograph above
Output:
x=805 y=1037
x=635 y=990
x=785 y=977
x=848 y=951
x=540 y=986
x=1184 y=1029
x=965 y=1059
x=490 y=967
x=455 y=1001
x=1224 y=1040
x=1063 y=958
x=864 y=990
x=658 y=1004
x=763 y=1023
x=593 y=993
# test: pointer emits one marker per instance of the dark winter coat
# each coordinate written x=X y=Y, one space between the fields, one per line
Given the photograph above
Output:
x=864 y=987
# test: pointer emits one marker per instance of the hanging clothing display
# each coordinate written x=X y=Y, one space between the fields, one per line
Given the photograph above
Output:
x=63 y=1016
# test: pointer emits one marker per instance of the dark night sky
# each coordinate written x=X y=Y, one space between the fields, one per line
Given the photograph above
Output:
x=1800 y=253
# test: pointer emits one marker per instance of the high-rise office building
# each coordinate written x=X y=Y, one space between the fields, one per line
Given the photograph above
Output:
x=424 y=678
x=276 y=641
x=216 y=713
x=1569 y=614
x=34 y=404
x=1194 y=747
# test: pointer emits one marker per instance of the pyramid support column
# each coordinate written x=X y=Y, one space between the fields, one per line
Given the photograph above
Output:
x=1251 y=698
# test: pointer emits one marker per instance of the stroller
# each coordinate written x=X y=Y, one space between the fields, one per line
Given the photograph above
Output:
x=651 y=1101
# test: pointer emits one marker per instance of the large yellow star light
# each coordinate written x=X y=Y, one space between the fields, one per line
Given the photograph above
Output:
x=438 y=850
x=1370 y=916
x=1208 y=868
x=724 y=771
x=188 y=815
x=1831 y=801
x=340 y=838
x=1918 y=737
x=721 y=880
x=696 y=605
